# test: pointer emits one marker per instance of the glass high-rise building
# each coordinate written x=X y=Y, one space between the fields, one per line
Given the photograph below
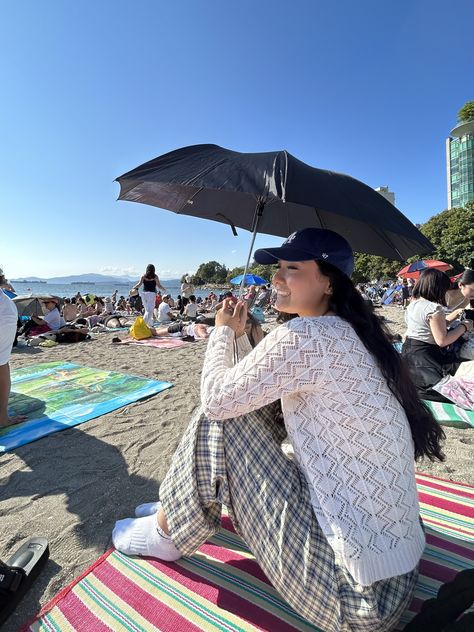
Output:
x=460 y=164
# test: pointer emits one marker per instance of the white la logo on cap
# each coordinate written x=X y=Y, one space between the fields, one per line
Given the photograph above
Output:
x=324 y=255
x=290 y=238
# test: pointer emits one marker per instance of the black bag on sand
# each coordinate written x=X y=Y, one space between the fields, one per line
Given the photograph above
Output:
x=74 y=335
x=442 y=614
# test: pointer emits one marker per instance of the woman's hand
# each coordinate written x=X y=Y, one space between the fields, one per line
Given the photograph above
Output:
x=233 y=314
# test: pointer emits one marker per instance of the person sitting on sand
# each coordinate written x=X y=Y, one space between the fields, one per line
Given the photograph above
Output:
x=81 y=307
x=337 y=531
x=8 y=323
x=69 y=311
x=51 y=321
x=164 y=310
x=428 y=336
x=190 y=311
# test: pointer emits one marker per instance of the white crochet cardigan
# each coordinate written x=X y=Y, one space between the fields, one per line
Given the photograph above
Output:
x=350 y=435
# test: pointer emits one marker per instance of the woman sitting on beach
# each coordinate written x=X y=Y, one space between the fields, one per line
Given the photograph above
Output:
x=51 y=321
x=426 y=348
x=150 y=283
x=337 y=532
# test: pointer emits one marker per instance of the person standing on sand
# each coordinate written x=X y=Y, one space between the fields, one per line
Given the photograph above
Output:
x=8 y=326
x=150 y=283
x=337 y=531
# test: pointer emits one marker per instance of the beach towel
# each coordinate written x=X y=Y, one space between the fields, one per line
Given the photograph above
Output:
x=222 y=588
x=59 y=395
x=158 y=343
x=451 y=415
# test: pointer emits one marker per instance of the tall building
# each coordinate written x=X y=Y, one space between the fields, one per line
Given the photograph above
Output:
x=388 y=195
x=460 y=164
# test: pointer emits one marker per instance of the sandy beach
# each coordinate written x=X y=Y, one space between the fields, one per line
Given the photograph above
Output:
x=73 y=485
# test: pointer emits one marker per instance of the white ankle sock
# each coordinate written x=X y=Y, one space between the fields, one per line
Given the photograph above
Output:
x=147 y=509
x=143 y=536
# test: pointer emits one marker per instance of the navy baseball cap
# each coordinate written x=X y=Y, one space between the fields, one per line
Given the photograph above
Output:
x=311 y=243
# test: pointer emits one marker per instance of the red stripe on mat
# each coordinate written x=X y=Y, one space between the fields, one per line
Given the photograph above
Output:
x=141 y=601
x=248 y=565
x=445 y=505
x=464 y=493
x=223 y=598
x=449 y=545
x=418 y=476
x=438 y=572
x=62 y=593
x=79 y=616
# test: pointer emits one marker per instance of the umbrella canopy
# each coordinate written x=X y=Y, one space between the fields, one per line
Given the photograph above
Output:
x=248 y=279
x=274 y=193
x=31 y=305
x=413 y=270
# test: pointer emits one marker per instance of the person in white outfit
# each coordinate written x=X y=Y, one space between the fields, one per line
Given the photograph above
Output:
x=150 y=283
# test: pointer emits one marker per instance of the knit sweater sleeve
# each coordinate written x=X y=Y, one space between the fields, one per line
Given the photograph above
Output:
x=288 y=360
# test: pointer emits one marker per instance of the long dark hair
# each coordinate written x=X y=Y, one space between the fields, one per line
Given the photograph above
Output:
x=432 y=285
x=150 y=271
x=347 y=303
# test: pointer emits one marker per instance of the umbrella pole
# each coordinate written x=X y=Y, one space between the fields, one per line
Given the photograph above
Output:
x=256 y=221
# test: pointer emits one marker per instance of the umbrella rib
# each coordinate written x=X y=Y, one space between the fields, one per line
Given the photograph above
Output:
x=189 y=200
x=319 y=217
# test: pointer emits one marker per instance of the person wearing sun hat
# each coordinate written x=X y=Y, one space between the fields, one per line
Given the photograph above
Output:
x=51 y=321
x=336 y=531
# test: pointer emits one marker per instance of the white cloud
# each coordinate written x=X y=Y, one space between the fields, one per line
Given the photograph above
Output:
x=118 y=271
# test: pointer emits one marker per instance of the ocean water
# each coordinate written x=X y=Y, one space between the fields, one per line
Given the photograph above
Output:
x=100 y=289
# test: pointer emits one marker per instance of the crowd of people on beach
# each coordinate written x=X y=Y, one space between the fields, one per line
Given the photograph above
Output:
x=330 y=378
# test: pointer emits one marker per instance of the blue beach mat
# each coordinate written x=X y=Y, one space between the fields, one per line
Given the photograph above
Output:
x=59 y=395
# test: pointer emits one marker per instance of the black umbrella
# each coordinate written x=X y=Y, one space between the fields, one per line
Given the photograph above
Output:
x=272 y=193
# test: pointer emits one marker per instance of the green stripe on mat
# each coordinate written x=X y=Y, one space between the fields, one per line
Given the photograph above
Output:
x=451 y=415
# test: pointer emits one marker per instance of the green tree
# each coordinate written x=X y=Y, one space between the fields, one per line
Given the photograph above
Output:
x=452 y=234
x=234 y=272
x=369 y=268
x=266 y=272
x=212 y=272
x=466 y=113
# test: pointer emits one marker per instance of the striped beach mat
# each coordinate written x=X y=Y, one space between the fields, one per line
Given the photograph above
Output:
x=451 y=415
x=221 y=588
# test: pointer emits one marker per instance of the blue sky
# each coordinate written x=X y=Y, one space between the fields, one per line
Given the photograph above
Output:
x=92 y=89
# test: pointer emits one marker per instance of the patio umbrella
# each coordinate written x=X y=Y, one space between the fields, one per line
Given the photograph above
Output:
x=413 y=270
x=248 y=279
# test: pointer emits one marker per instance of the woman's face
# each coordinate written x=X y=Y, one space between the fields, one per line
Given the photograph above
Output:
x=301 y=288
x=467 y=291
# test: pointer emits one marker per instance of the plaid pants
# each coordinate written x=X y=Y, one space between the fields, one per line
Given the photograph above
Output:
x=239 y=462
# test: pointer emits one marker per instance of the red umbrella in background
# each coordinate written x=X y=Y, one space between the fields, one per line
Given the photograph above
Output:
x=456 y=277
x=413 y=270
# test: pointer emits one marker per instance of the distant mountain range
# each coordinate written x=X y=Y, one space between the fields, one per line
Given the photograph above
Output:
x=80 y=278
